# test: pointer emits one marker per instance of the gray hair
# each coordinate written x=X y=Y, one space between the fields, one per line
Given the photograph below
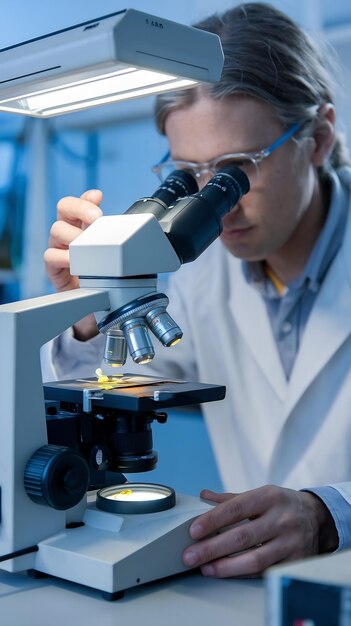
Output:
x=269 y=57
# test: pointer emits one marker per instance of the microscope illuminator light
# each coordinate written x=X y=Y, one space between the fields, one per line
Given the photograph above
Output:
x=136 y=498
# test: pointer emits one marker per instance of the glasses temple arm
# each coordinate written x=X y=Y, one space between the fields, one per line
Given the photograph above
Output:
x=289 y=133
x=163 y=160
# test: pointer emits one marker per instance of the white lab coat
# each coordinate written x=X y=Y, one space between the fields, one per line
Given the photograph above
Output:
x=294 y=433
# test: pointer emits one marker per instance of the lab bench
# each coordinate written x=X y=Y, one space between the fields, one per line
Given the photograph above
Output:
x=183 y=599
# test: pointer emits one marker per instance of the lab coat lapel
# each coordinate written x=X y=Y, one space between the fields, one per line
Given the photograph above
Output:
x=324 y=332
x=249 y=311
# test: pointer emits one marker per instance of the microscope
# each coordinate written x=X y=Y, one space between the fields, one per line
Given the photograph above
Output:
x=66 y=509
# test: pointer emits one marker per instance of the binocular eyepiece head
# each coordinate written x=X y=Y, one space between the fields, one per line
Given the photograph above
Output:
x=191 y=220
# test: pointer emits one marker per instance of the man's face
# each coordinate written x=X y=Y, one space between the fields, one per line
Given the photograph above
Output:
x=265 y=221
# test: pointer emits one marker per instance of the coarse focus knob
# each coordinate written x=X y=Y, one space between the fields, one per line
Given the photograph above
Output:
x=56 y=476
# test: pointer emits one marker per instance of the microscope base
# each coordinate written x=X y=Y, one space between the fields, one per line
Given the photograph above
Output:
x=112 y=553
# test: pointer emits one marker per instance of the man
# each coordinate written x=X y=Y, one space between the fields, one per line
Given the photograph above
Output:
x=266 y=310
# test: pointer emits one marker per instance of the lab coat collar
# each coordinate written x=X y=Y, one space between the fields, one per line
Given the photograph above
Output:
x=323 y=336
x=249 y=311
x=324 y=333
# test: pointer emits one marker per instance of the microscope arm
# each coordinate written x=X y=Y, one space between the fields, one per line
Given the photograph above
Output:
x=24 y=327
x=56 y=312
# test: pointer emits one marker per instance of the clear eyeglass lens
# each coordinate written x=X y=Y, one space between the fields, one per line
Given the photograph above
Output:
x=205 y=172
x=165 y=169
x=249 y=166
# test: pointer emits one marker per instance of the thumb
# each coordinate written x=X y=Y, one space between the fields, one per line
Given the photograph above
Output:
x=93 y=195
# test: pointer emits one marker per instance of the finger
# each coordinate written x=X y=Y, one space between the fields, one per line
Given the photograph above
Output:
x=62 y=279
x=236 y=539
x=231 y=511
x=56 y=259
x=62 y=234
x=93 y=195
x=250 y=563
x=214 y=496
x=77 y=211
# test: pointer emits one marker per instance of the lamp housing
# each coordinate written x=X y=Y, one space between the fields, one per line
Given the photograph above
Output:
x=115 y=57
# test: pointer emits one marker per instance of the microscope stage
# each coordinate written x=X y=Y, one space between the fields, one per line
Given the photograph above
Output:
x=132 y=392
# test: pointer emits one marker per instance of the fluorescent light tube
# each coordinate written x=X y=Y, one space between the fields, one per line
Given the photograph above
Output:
x=119 y=56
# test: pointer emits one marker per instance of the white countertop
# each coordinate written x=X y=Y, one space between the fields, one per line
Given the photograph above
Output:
x=178 y=601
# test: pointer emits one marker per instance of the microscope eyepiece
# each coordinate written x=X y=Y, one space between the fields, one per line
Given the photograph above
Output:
x=178 y=184
x=235 y=179
x=194 y=222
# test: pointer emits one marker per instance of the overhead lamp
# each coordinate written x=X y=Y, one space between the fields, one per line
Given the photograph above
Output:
x=115 y=57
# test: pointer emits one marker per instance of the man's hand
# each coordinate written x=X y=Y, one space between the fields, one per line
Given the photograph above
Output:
x=276 y=525
x=73 y=216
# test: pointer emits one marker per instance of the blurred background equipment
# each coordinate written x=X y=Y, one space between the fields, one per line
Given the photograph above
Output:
x=13 y=180
x=313 y=592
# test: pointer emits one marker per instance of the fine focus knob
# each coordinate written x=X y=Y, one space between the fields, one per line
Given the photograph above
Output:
x=56 y=476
